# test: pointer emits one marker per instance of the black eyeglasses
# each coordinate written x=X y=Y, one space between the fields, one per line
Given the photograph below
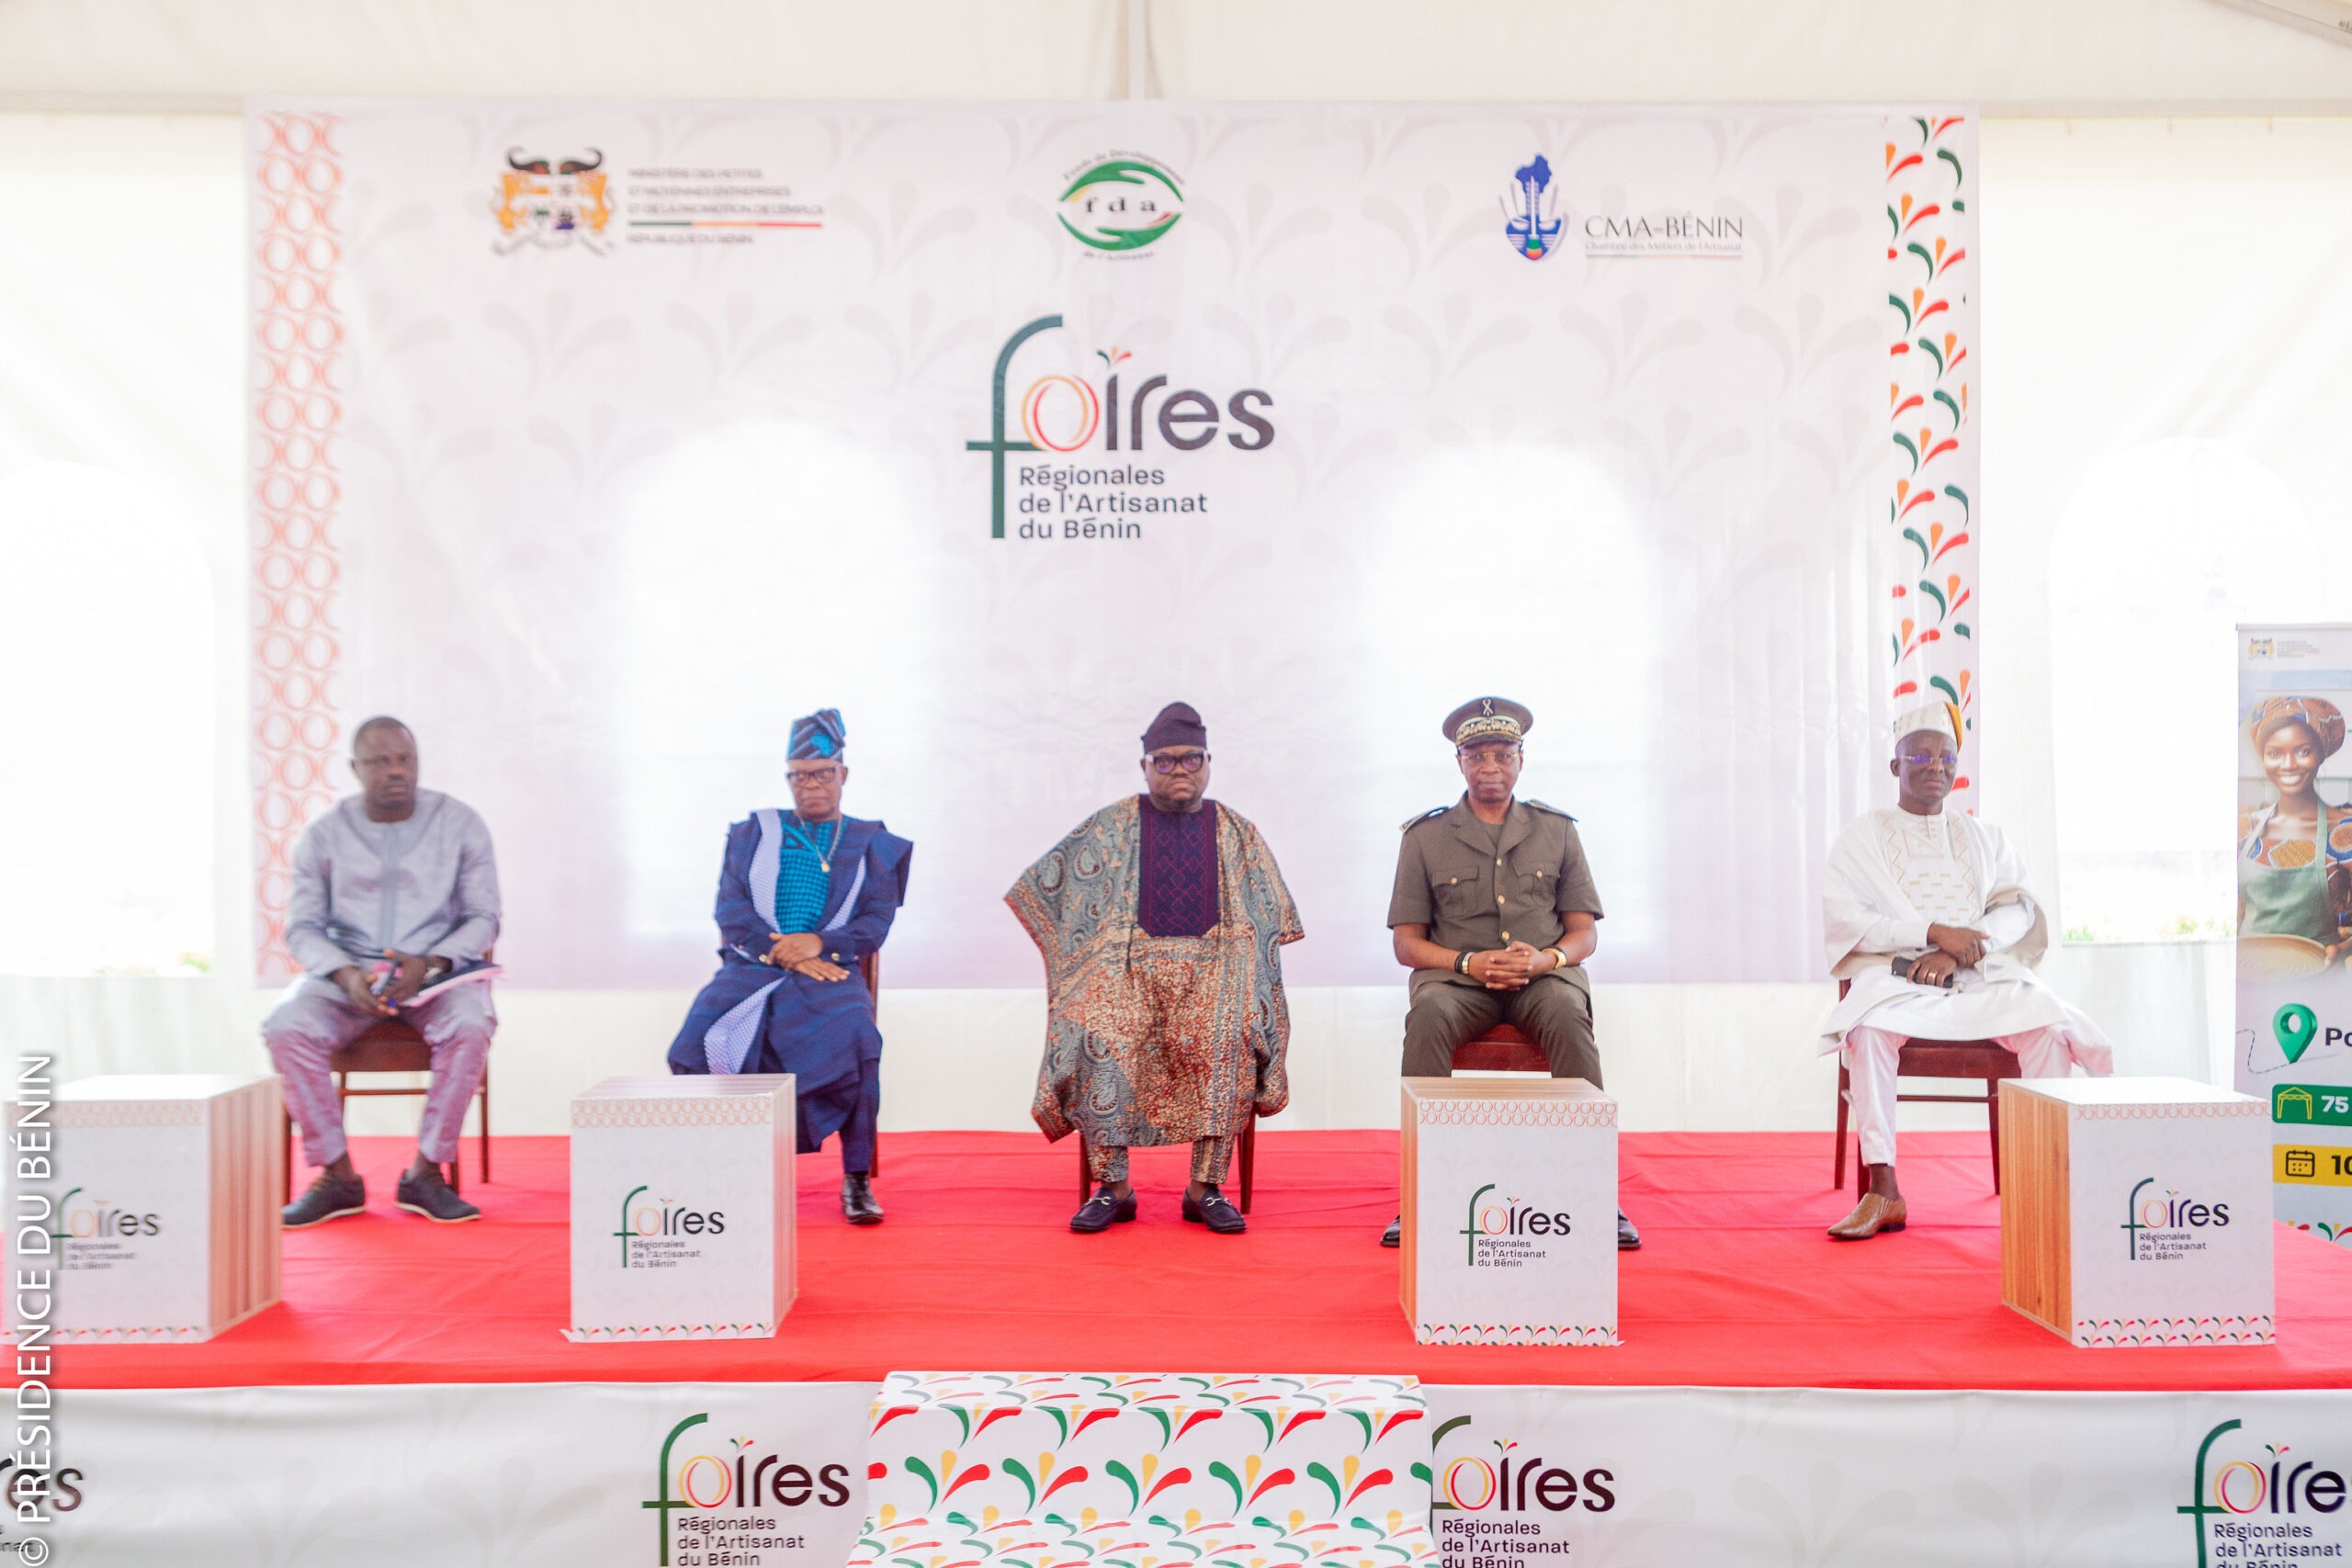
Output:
x=1488 y=753
x=1189 y=762
x=825 y=774
x=1949 y=760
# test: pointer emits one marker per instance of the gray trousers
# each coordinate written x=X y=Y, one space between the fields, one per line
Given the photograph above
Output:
x=1553 y=1012
x=305 y=1029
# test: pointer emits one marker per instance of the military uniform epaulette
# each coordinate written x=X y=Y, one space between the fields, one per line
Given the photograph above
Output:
x=1433 y=811
x=1539 y=805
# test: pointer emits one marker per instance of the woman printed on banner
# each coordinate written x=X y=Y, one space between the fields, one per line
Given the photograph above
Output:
x=2295 y=853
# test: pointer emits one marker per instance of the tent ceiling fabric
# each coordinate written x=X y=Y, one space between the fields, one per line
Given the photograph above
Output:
x=2009 y=56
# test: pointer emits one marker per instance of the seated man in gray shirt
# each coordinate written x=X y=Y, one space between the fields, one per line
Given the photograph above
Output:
x=394 y=891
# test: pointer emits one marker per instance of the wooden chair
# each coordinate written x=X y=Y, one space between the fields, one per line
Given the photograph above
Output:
x=1980 y=1059
x=391 y=1045
x=1501 y=1049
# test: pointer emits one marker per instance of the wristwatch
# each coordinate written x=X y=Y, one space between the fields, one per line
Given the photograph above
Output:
x=1462 y=962
x=1560 y=953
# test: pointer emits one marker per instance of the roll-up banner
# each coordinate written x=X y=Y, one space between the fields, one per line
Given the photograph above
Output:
x=2293 y=1046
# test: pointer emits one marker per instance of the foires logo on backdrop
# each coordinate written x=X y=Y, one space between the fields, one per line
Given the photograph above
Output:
x=721 y=1504
x=2164 y=1227
x=2263 y=1502
x=1128 y=435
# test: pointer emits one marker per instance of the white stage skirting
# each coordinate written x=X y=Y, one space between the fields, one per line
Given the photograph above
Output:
x=565 y=1474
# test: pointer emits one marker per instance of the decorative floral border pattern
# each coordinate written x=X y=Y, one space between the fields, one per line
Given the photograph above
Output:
x=1512 y=1334
x=84 y=1113
x=1929 y=552
x=712 y=1110
x=1533 y=1111
x=2109 y=1333
x=2200 y=1110
x=920 y=1539
x=297 y=416
x=673 y=1331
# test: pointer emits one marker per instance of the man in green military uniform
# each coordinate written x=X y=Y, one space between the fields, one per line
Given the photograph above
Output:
x=1494 y=913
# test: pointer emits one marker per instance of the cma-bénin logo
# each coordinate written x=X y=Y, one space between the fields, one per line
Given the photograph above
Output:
x=1509 y=1484
x=2285 y=1492
x=732 y=1477
x=97 y=1219
x=662 y=1217
x=2167 y=1214
x=1119 y=203
x=1127 y=413
x=1506 y=1217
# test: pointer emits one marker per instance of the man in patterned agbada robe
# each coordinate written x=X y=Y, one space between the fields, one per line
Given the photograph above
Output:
x=1930 y=925
x=1161 y=918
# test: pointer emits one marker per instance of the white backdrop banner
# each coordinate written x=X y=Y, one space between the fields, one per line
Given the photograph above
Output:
x=598 y=441
x=573 y=1475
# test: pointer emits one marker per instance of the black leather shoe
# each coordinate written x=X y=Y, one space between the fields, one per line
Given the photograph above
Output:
x=1216 y=1211
x=1628 y=1238
x=1102 y=1212
x=1394 y=1234
x=858 y=1205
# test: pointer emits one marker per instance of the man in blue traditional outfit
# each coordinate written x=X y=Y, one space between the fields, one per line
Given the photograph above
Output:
x=1161 y=918
x=805 y=897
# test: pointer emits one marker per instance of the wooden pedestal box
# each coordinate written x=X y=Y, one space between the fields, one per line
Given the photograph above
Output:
x=681 y=1208
x=167 y=1193
x=2136 y=1211
x=1510 y=1212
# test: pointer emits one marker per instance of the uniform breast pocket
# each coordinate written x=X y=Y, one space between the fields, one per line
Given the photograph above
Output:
x=1459 y=896
x=1540 y=886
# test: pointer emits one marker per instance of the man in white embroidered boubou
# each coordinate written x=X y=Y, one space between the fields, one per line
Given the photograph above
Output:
x=804 y=895
x=1929 y=922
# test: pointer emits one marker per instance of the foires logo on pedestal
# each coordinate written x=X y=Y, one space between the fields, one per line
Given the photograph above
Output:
x=1505 y=1233
x=658 y=1232
x=2162 y=1226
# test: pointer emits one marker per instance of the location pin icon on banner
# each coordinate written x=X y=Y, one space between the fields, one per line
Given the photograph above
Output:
x=2294 y=1024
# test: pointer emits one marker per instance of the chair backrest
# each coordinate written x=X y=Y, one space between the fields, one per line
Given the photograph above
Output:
x=1501 y=1049
x=390 y=1046
x=869 y=969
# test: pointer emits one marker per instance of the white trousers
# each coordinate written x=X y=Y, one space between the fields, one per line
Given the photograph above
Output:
x=1870 y=1056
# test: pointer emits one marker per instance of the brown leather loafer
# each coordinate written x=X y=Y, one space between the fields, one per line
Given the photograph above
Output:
x=1872 y=1214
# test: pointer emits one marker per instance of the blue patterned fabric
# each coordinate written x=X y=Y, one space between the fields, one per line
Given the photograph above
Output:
x=752 y=1018
x=802 y=880
x=819 y=734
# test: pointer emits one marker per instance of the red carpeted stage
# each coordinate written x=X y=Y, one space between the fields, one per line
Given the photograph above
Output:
x=1737 y=1285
